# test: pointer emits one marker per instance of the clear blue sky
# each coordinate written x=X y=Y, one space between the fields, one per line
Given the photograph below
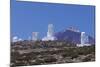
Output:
x=27 y=17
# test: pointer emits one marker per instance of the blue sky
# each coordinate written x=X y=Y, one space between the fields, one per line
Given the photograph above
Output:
x=27 y=17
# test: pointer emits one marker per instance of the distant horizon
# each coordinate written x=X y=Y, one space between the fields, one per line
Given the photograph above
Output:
x=29 y=17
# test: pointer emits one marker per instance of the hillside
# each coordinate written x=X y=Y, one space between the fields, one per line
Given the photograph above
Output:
x=26 y=53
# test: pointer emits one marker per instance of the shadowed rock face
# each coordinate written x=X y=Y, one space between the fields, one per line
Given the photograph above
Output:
x=26 y=53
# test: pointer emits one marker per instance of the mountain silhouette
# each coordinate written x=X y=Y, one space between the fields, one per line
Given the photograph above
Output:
x=73 y=36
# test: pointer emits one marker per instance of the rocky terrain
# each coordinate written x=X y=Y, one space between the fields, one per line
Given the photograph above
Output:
x=26 y=53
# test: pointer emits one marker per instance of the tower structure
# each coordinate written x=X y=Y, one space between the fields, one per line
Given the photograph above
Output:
x=50 y=33
x=34 y=36
x=50 y=30
x=84 y=40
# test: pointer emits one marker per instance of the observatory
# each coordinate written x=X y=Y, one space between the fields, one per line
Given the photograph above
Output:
x=50 y=34
x=34 y=36
x=84 y=40
x=50 y=30
x=16 y=39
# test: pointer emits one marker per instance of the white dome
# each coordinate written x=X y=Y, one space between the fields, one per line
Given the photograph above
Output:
x=48 y=38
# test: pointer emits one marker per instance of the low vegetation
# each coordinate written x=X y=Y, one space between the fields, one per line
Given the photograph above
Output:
x=26 y=53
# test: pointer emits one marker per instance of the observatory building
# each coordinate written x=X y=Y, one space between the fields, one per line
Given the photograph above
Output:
x=16 y=39
x=84 y=40
x=50 y=34
x=34 y=36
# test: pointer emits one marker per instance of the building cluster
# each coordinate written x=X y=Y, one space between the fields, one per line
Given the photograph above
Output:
x=50 y=36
